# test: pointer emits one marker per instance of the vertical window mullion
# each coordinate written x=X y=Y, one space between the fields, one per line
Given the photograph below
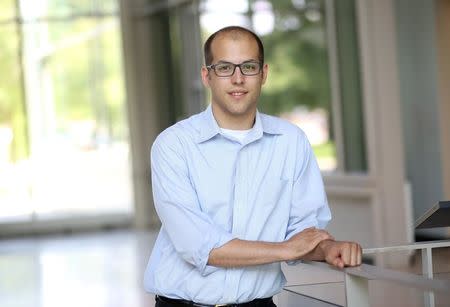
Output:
x=350 y=87
x=335 y=84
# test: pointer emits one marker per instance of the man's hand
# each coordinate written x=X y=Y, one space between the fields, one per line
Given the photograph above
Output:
x=305 y=242
x=340 y=253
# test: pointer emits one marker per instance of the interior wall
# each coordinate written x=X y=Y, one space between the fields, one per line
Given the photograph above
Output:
x=352 y=218
x=417 y=60
x=443 y=60
x=382 y=109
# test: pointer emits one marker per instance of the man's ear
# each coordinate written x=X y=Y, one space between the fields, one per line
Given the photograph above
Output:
x=205 y=76
x=265 y=71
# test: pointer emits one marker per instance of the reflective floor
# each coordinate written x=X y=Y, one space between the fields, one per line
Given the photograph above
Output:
x=106 y=270
x=98 y=270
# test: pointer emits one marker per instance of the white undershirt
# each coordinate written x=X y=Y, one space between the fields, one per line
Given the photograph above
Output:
x=238 y=134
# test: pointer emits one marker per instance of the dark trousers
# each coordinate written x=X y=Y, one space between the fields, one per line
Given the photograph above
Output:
x=168 y=302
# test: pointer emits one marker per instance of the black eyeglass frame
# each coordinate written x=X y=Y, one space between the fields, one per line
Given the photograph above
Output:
x=213 y=67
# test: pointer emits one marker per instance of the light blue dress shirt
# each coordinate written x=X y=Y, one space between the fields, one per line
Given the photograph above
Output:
x=209 y=188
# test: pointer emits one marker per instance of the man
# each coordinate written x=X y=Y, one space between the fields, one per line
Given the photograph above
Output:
x=237 y=192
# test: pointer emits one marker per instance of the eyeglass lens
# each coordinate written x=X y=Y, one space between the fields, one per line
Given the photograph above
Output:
x=227 y=69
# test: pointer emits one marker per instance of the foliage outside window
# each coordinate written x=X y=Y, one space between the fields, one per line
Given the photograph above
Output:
x=294 y=36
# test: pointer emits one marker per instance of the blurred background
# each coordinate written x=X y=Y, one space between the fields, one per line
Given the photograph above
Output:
x=87 y=85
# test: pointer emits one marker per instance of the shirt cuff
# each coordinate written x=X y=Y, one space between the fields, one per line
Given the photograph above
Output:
x=215 y=240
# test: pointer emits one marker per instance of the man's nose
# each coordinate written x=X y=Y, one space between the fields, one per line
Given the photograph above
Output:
x=237 y=77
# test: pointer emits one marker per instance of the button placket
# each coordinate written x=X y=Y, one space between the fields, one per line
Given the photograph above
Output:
x=232 y=275
x=240 y=194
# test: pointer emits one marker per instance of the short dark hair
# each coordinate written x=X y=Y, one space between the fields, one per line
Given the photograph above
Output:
x=231 y=30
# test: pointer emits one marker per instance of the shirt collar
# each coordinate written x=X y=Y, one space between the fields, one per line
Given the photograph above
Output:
x=208 y=127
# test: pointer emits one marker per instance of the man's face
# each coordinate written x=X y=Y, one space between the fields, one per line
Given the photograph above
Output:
x=235 y=96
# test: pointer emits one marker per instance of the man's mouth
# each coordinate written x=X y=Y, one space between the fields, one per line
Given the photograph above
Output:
x=237 y=93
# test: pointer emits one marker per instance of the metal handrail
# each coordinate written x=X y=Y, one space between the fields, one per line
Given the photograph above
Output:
x=372 y=272
x=357 y=278
x=414 y=246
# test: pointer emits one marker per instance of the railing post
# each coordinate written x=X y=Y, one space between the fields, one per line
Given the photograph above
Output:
x=356 y=291
x=427 y=271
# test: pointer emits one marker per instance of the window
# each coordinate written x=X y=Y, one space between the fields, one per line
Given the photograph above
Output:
x=63 y=132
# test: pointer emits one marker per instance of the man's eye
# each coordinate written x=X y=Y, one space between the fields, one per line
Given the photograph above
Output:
x=223 y=67
x=249 y=67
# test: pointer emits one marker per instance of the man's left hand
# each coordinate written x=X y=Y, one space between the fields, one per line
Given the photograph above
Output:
x=341 y=253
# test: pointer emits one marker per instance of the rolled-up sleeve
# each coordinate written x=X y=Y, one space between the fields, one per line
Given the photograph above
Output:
x=191 y=231
x=309 y=206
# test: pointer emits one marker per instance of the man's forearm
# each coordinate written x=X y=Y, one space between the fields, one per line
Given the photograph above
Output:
x=238 y=253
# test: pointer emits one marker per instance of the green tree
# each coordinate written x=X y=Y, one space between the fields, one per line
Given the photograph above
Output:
x=296 y=52
x=12 y=108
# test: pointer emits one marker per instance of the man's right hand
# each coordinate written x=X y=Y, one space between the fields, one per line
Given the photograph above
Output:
x=305 y=242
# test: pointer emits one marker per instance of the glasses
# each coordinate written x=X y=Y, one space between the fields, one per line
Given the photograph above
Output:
x=225 y=69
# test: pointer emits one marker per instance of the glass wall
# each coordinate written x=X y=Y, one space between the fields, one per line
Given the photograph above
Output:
x=64 y=148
